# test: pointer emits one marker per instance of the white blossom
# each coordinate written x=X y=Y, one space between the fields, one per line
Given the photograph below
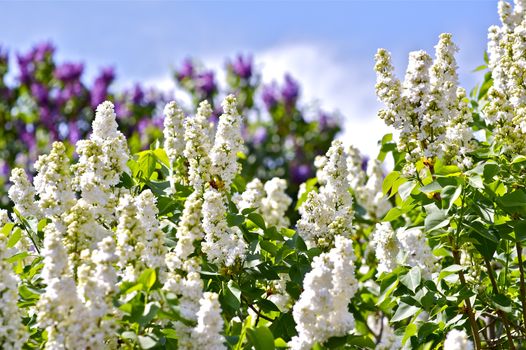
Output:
x=102 y=160
x=222 y=244
x=328 y=213
x=506 y=107
x=322 y=309
x=386 y=247
x=426 y=105
x=457 y=340
x=190 y=228
x=275 y=204
x=370 y=195
x=198 y=146
x=416 y=250
x=131 y=239
x=53 y=181
x=173 y=131
x=13 y=333
x=147 y=214
x=4 y=217
x=22 y=193
x=207 y=333
x=228 y=143
x=252 y=197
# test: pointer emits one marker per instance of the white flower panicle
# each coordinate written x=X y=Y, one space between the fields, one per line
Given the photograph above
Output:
x=386 y=247
x=190 y=228
x=416 y=250
x=147 y=214
x=53 y=181
x=275 y=204
x=370 y=195
x=270 y=200
x=506 y=108
x=252 y=196
x=173 y=131
x=207 y=333
x=457 y=340
x=357 y=175
x=13 y=333
x=222 y=245
x=105 y=125
x=322 y=309
x=328 y=213
x=426 y=105
x=59 y=307
x=131 y=239
x=97 y=284
x=198 y=141
x=4 y=217
x=83 y=232
x=228 y=143
x=22 y=193
x=102 y=160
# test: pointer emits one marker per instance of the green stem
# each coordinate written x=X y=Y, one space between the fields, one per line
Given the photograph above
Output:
x=501 y=314
x=469 y=308
x=522 y=284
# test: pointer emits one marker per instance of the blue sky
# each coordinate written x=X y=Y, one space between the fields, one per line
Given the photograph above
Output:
x=328 y=46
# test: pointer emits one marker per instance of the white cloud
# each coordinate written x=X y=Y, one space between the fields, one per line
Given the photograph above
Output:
x=338 y=85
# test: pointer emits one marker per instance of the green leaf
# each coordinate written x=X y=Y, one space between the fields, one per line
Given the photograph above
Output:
x=234 y=219
x=146 y=164
x=146 y=342
x=257 y=220
x=404 y=311
x=502 y=302
x=389 y=181
x=451 y=269
x=14 y=237
x=261 y=338
x=410 y=330
x=161 y=156
x=436 y=218
x=147 y=278
x=405 y=189
x=449 y=195
x=412 y=279
x=232 y=294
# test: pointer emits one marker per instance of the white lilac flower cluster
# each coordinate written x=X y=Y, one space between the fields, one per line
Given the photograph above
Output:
x=184 y=280
x=22 y=193
x=13 y=333
x=405 y=246
x=81 y=250
x=328 y=212
x=270 y=200
x=198 y=139
x=223 y=245
x=322 y=309
x=428 y=109
x=173 y=131
x=457 y=340
x=370 y=195
x=102 y=160
x=228 y=143
x=506 y=108
x=367 y=185
x=53 y=181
